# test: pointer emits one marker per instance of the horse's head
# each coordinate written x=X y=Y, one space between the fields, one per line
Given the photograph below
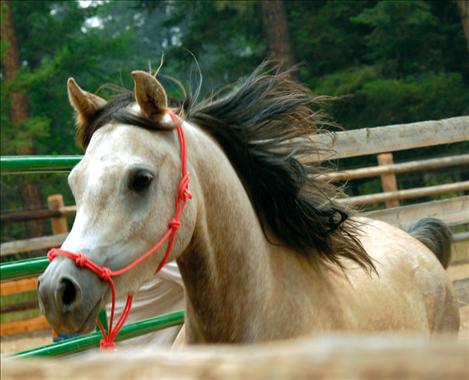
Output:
x=125 y=190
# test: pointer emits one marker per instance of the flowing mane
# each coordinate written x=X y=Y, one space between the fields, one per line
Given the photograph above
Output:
x=264 y=126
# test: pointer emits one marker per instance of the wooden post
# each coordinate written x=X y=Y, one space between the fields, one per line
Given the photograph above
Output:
x=388 y=181
x=59 y=224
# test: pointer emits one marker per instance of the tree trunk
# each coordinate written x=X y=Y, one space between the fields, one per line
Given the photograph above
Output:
x=274 y=20
x=30 y=192
x=463 y=6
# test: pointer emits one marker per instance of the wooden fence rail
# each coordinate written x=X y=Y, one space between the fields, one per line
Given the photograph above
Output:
x=21 y=306
x=418 y=192
x=24 y=326
x=412 y=166
x=29 y=215
x=340 y=356
x=392 y=138
x=18 y=286
x=33 y=244
x=452 y=211
x=429 y=164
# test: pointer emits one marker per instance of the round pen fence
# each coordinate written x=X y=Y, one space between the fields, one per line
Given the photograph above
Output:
x=380 y=141
x=28 y=268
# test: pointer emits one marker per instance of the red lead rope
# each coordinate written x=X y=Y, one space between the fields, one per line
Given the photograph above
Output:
x=107 y=274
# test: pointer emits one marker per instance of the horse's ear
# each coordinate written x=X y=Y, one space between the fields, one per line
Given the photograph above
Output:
x=84 y=103
x=152 y=99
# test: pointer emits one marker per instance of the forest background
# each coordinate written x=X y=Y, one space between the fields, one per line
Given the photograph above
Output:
x=387 y=62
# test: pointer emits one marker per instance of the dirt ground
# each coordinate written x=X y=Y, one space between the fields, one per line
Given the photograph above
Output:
x=458 y=273
x=21 y=342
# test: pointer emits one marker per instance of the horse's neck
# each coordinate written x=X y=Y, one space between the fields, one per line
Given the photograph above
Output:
x=236 y=281
x=226 y=268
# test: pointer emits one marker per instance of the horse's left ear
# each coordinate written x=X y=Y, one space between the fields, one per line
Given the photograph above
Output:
x=152 y=98
x=84 y=103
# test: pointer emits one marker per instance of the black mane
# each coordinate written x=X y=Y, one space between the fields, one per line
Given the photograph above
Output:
x=264 y=126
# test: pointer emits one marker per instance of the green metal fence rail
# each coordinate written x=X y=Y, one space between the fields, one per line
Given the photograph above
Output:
x=85 y=342
x=34 y=267
x=11 y=270
x=37 y=164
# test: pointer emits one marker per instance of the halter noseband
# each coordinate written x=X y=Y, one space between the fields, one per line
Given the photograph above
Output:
x=106 y=274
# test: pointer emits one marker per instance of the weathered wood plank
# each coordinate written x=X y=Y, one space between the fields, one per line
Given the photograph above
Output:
x=21 y=306
x=27 y=325
x=388 y=181
x=34 y=244
x=18 y=286
x=408 y=193
x=325 y=357
x=59 y=224
x=452 y=211
x=69 y=210
x=405 y=167
x=28 y=215
x=393 y=138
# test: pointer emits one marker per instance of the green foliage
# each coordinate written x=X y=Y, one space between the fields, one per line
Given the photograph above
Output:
x=243 y=6
x=395 y=42
x=391 y=101
x=17 y=136
x=55 y=43
x=385 y=61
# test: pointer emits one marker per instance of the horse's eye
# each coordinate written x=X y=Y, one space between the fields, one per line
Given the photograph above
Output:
x=140 y=180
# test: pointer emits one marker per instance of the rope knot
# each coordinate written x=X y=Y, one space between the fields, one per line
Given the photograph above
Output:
x=174 y=224
x=105 y=274
x=106 y=344
x=52 y=254
x=187 y=194
x=81 y=260
x=183 y=191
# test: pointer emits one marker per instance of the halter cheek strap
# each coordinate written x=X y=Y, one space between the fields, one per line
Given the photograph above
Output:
x=106 y=274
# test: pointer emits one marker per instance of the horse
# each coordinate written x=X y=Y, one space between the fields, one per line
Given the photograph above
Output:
x=266 y=247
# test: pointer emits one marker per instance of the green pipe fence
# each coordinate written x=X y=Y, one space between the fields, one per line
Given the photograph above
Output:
x=85 y=342
x=23 y=268
x=37 y=164
x=33 y=267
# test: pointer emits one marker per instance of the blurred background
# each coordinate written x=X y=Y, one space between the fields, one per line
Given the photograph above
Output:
x=387 y=62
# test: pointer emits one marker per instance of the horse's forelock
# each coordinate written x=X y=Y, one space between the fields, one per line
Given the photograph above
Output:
x=116 y=109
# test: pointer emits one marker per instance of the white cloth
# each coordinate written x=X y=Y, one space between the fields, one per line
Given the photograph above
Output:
x=162 y=294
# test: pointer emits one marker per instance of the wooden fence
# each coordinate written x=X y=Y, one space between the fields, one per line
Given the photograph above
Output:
x=344 y=356
x=60 y=230
x=380 y=140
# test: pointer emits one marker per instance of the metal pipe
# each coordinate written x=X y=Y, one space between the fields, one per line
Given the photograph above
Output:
x=85 y=342
x=37 y=164
x=23 y=268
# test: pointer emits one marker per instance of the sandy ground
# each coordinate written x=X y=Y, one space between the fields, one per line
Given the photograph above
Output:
x=21 y=342
x=458 y=273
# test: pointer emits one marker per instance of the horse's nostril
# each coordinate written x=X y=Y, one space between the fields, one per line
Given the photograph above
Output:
x=67 y=293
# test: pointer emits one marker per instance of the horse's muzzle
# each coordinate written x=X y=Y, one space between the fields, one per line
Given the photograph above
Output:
x=70 y=297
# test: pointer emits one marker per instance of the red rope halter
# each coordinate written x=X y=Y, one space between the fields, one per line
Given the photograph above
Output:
x=107 y=274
